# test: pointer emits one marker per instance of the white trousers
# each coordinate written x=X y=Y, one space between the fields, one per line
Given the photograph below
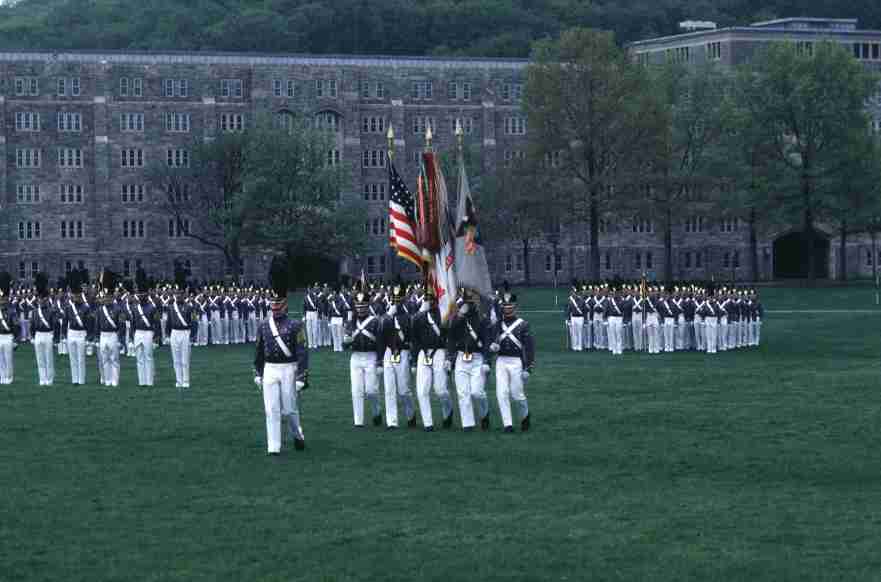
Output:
x=470 y=383
x=280 y=399
x=216 y=332
x=202 y=330
x=336 y=328
x=25 y=332
x=733 y=334
x=636 y=325
x=576 y=333
x=509 y=385
x=396 y=378
x=324 y=330
x=599 y=334
x=45 y=357
x=587 y=340
x=362 y=370
x=710 y=329
x=653 y=334
x=180 y=356
x=616 y=342
x=76 y=347
x=680 y=332
x=722 y=333
x=757 y=334
x=428 y=376
x=669 y=333
x=144 y=354
x=312 y=329
x=163 y=325
x=108 y=358
x=226 y=329
x=252 y=327
x=699 y=335
x=6 y=361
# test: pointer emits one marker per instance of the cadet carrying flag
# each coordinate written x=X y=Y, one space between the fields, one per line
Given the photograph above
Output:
x=436 y=225
x=472 y=270
x=402 y=218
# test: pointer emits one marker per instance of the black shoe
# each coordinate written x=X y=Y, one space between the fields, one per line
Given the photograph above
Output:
x=391 y=427
x=273 y=454
x=429 y=429
x=377 y=420
x=448 y=421
x=524 y=424
x=468 y=429
x=300 y=444
x=413 y=423
x=359 y=426
x=484 y=423
x=508 y=429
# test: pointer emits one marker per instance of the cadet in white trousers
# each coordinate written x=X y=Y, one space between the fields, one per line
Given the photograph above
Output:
x=576 y=310
x=310 y=308
x=109 y=324
x=182 y=320
x=614 y=312
x=281 y=366
x=468 y=354
x=8 y=329
x=44 y=319
x=429 y=347
x=514 y=345
x=77 y=320
x=364 y=337
x=146 y=324
x=396 y=362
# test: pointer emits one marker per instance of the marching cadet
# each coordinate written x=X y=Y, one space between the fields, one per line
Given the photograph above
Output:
x=164 y=302
x=25 y=307
x=710 y=311
x=364 y=338
x=45 y=317
x=652 y=322
x=515 y=349
x=128 y=302
x=575 y=309
x=396 y=331
x=59 y=299
x=310 y=309
x=146 y=326
x=110 y=325
x=338 y=309
x=468 y=348
x=430 y=348
x=281 y=368
x=8 y=333
x=78 y=329
x=183 y=320
x=614 y=314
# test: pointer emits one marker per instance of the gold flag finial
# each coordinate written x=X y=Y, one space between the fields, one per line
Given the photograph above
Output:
x=428 y=136
x=390 y=136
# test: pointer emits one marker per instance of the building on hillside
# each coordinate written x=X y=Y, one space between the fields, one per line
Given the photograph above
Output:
x=779 y=250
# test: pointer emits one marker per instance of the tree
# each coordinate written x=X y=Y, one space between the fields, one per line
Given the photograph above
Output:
x=679 y=159
x=589 y=108
x=813 y=98
x=273 y=188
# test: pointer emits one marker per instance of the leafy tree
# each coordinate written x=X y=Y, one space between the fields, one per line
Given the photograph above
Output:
x=589 y=108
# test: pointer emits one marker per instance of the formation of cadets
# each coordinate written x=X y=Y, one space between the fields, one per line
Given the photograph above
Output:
x=686 y=317
x=107 y=324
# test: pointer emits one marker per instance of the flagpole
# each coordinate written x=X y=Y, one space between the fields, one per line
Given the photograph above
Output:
x=428 y=137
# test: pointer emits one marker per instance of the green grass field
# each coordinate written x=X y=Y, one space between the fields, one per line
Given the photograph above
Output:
x=761 y=464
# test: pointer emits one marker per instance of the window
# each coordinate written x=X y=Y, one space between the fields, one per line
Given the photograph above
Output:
x=179 y=193
x=62 y=87
x=641 y=225
x=327 y=121
x=637 y=260
x=509 y=263
x=512 y=156
x=27 y=121
x=422 y=90
x=70 y=158
x=232 y=122
x=175 y=88
x=71 y=229
x=27 y=193
x=29 y=230
x=694 y=224
x=515 y=126
x=69 y=121
x=132 y=192
x=28 y=269
x=123 y=87
x=729 y=224
x=458 y=91
x=137 y=87
x=735 y=259
x=178 y=228
x=382 y=263
x=177 y=122
x=548 y=263
x=379 y=90
x=558 y=262
x=231 y=88
x=333 y=157
x=868 y=258
x=374 y=191
x=373 y=124
x=276 y=88
x=75 y=86
x=372 y=90
x=512 y=91
x=680 y=54
x=27 y=158
x=421 y=122
x=132 y=158
x=519 y=262
x=131 y=122
x=686 y=259
x=373 y=159
x=371 y=265
x=71 y=193
x=133 y=229
x=698 y=259
x=726 y=260
x=291 y=89
x=284 y=120
x=649 y=260
x=177 y=158
x=467 y=124
x=553 y=159
x=714 y=51
x=603 y=226
x=27 y=86
x=326 y=88
x=126 y=268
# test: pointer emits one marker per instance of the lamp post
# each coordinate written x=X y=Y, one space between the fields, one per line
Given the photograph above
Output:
x=554 y=240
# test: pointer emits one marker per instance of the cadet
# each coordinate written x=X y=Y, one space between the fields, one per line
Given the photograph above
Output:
x=77 y=330
x=396 y=362
x=310 y=309
x=516 y=357
x=468 y=348
x=8 y=333
x=45 y=317
x=429 y=347
x=182 y=319
x=575 y=310
x=281 y=367
x=146 y=325
x=364 y=337
x=111 y=329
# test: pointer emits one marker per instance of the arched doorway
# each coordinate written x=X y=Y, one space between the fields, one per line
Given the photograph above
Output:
x=789 y=259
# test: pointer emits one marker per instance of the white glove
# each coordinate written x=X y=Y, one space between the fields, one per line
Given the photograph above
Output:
x=464 y=309
x=484 y=369
x=258 y=381
x=347 y=339
x=447 y=366
x=299 y=385
x=494 y=347
x=392 y=310
x=424 y=307
x=525 y=375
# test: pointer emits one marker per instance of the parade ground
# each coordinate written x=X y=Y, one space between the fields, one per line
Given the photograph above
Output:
x=753 y=464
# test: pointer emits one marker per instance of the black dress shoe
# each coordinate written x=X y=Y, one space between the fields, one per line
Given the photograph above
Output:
x=377 y=420
x=484 y=423
x=273 y=453
x=468 y=429
x=429 y=429
x=508 y=429
x=359 y=426
x=391 y=427
x=413 y=423
x=300 y=444
x=524 y=424
x=448 y=421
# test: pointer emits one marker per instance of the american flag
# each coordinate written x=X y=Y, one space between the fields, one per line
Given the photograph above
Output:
x=402 y=219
